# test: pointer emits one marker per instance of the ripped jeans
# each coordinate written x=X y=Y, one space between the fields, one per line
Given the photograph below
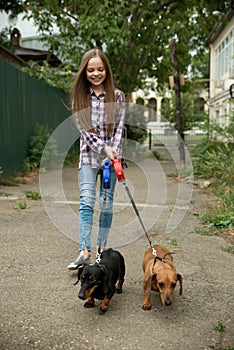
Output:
x=88 y=180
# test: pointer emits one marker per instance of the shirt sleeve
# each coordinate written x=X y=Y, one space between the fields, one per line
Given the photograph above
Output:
x=91 y=139
x=117 y=133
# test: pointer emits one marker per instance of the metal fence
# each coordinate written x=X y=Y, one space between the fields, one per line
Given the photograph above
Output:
x=25 y=102
x=170 y=137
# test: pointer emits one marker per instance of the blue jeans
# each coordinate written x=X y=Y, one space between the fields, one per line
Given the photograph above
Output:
x=88 y=180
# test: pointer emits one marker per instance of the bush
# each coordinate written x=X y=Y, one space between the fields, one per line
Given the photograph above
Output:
x=216 y=162
x=136 y=123
x=51 y=156
x=73 y=153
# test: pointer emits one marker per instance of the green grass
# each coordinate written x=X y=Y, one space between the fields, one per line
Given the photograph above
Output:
x=229 y=249
x=210 y=232
x=4 y=194
x=219 y=327
x=33 y=195
x=21 y=205
x=157 y=155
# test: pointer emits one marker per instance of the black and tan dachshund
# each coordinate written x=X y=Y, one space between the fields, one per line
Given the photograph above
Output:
x=98 y=281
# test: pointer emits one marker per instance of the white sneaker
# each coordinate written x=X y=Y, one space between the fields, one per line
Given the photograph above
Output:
x=79 y=261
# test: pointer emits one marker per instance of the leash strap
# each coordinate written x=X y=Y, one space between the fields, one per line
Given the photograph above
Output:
x=105 y=181
x=121 y=178
x=98 y=256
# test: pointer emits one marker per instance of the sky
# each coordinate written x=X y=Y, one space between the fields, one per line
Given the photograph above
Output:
x=26 y=27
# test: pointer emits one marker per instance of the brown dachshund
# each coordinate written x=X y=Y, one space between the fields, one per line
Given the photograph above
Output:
x=159 y=275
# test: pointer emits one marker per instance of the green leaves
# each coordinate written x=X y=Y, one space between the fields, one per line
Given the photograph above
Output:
x=134 y=34
x=58 y=77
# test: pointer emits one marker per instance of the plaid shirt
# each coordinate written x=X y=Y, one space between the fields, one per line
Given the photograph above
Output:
x=91 y=145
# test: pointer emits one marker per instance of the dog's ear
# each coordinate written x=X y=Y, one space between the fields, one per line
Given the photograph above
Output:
x=180 y=279
x=80 y=270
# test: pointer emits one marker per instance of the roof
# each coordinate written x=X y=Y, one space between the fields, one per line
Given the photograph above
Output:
x=218 y=28
x=39 y=56
x=11 y=58
x=27 y=54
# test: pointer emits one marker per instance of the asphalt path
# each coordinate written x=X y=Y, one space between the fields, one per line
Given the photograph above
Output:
x=39 y=304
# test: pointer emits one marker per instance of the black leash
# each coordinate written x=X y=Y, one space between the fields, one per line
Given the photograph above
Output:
x=121 y=178
x=138 y=215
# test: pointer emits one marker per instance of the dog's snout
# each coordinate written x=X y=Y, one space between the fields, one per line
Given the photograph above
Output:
x=167 y=302
x=81 y=295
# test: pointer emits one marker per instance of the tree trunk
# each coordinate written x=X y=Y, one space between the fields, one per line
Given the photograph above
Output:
x=179 y=116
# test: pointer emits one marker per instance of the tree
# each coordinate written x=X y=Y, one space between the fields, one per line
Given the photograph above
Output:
x=193 y=116
x=178 y=105
x=12 y=7
x=134 y=34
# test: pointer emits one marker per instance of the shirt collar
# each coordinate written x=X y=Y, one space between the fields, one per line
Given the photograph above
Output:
x=93 y=93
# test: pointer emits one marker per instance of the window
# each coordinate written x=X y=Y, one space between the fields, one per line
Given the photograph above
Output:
x=224 y=57
x=152 y=104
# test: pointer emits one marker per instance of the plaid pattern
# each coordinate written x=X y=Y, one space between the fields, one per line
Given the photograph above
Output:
x=91 y=145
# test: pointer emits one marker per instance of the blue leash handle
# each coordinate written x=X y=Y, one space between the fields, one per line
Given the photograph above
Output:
x=106 y=174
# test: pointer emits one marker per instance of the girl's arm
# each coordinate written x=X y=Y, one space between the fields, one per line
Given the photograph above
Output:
x=117 y=133
x=91 y=138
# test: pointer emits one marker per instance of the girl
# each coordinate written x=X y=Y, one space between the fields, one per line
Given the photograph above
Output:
x=98 y=111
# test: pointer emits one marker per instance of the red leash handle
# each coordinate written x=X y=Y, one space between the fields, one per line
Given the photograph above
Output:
x=118 y=168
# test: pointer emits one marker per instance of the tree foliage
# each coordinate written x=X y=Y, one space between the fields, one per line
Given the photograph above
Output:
x=134 y=34
x=12 y=7
x=192 y=110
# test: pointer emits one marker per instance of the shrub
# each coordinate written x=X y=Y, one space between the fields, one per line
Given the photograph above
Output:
x=51 y=156
x=136 y=123
x=216 y=162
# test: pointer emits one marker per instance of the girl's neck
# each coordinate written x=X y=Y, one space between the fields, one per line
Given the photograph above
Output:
x=98 y=89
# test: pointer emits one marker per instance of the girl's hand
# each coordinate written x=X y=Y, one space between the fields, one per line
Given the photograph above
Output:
x=111 y=153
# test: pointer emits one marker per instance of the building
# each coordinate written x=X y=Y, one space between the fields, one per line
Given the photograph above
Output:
x=26 y=42
x=221 y=44
x=30 y=54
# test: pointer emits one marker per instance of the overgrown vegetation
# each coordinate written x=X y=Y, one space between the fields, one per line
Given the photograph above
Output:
x=192 y=108
x=135 y=122
x=4 y=194
x=34 y=195
x=157 y=155
x=216 y=163
x=219 y=327
x=229 y=249
x=21 y=205
x=39 y=140
x=73 y=154
x=42 y=143
x=61 y=78
x=175 y=245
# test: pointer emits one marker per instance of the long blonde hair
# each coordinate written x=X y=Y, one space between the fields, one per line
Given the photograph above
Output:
x=80 y=94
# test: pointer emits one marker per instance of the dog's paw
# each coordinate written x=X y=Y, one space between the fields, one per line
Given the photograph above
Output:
x=146 y=306
x=102 y=312
x=102 y=308
x=89 y=305
x=119 y=290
